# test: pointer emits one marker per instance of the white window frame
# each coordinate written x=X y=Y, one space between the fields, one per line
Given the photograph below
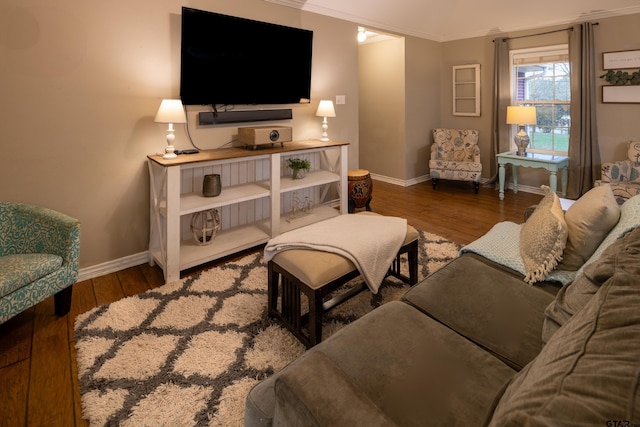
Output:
x=543 y=52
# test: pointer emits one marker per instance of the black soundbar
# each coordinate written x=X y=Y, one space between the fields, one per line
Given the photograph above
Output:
x=212 y=118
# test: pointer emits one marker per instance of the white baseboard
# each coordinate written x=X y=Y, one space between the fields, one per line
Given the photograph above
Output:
x=401 y=182
x=113 y=266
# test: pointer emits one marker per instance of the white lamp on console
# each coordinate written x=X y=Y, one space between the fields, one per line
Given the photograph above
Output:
x=325 y=109
x=171 y=111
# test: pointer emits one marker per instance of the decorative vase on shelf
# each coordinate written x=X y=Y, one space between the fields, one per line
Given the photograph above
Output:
x=211 y=186
x=300 y=167
x=299 y=173
x=205 y=226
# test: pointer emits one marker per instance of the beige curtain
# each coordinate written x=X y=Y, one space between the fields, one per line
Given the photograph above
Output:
x=501 y=99
x=584 y=153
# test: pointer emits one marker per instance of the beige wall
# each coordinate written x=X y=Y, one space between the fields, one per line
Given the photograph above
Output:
x=423 y=102
x=399 y=105
x=81 y=83
x=382 y=107
x=617 y=123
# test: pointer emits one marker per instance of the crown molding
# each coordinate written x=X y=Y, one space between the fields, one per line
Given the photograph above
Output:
x=360 y=20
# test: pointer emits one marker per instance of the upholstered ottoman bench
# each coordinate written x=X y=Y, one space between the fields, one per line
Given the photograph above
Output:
x=315 y=274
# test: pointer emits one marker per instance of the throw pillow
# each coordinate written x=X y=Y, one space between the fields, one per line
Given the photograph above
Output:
x=572 y=297
x=588 y=371
x=543 y=238
x=589 y=220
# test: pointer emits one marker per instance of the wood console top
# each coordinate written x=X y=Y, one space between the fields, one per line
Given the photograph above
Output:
x=238 y=152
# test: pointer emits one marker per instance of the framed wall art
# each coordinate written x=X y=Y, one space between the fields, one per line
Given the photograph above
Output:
x=621 y=59
x=466 y=90
x=626 y=94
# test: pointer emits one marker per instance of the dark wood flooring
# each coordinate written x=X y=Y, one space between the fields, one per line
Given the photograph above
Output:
x=38 y=379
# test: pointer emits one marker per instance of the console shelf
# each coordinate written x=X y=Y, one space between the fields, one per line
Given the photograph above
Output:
x=254 y=205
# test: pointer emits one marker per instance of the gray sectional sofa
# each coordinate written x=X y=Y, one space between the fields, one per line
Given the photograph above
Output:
x=473 y=344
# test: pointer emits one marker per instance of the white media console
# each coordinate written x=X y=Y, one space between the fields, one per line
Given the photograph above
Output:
x=257 y=198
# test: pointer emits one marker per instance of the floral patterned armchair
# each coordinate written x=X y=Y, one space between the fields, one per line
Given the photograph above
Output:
x=39 y=257
x=623 y=176
x=455 y=155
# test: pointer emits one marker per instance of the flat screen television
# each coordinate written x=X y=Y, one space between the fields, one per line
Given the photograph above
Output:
x=230 y=60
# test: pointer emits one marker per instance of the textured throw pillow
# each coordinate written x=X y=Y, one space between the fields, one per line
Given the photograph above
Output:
x=572 y=297
x=589 y=220
x=543 y=238
x=588 y=371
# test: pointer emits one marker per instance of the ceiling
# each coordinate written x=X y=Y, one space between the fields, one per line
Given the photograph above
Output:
x=444 y=20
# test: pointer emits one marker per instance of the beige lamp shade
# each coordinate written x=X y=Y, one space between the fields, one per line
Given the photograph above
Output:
x=171 y=111
x=520 y=115
x=325 y=109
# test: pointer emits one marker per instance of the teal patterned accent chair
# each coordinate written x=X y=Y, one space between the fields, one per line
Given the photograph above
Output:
x=39 y=257
x=455 y=155
x=623 y=176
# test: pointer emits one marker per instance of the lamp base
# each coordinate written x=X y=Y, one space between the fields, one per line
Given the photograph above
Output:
x=522 y=141
x=325 y=136
x=170 y=152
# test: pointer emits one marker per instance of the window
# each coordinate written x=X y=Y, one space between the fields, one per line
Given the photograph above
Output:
x=541 y=77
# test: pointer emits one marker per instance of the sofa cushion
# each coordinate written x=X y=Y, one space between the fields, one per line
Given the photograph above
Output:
x=317 y=392
x=575 y=295
x=487 y=304
x=427 y=375
x=19 y=270
x=589 y=220
x=543 y=238
x=588 y=371
x=629 y=220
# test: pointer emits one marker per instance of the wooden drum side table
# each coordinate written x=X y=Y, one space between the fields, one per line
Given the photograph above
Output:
x=551 y=163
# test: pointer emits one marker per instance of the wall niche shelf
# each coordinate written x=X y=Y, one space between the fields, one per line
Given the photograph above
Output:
x=254 y=204
x=466 y=90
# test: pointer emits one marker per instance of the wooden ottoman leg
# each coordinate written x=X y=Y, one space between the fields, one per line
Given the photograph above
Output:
x=411 y=249
x=412 y=255
x=315 y=318
x=273 y=279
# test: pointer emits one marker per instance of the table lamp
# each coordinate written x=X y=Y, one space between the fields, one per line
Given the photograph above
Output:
x=521 y=116
x=325 y=109
x=171 y=111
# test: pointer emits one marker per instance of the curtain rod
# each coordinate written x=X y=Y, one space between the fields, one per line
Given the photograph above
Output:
x=504 y=39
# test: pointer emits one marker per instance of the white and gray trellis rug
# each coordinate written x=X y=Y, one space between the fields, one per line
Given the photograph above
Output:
x=187 y=353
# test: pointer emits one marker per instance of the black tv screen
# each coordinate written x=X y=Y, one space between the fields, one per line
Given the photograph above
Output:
x=231 y=60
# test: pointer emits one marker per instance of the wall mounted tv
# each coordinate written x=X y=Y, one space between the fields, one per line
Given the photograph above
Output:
x=231 y=60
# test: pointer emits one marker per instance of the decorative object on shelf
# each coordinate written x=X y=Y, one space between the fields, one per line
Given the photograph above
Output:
x=521 y=116
x=300 y=167
x=171 y=111
x=325 y=109
x=211 y=186
x=360 y=189
x=205 y=226
x=300 y=208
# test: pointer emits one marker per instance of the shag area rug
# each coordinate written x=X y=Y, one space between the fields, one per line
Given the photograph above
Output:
x=187 y=353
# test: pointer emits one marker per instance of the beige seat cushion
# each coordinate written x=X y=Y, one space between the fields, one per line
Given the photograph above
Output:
x=589 y=220
x=317 y=268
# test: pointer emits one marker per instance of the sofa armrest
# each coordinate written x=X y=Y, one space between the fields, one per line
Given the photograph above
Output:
x=319 y=393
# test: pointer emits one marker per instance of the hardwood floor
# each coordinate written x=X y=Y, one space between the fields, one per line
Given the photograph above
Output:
x=38 y=378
